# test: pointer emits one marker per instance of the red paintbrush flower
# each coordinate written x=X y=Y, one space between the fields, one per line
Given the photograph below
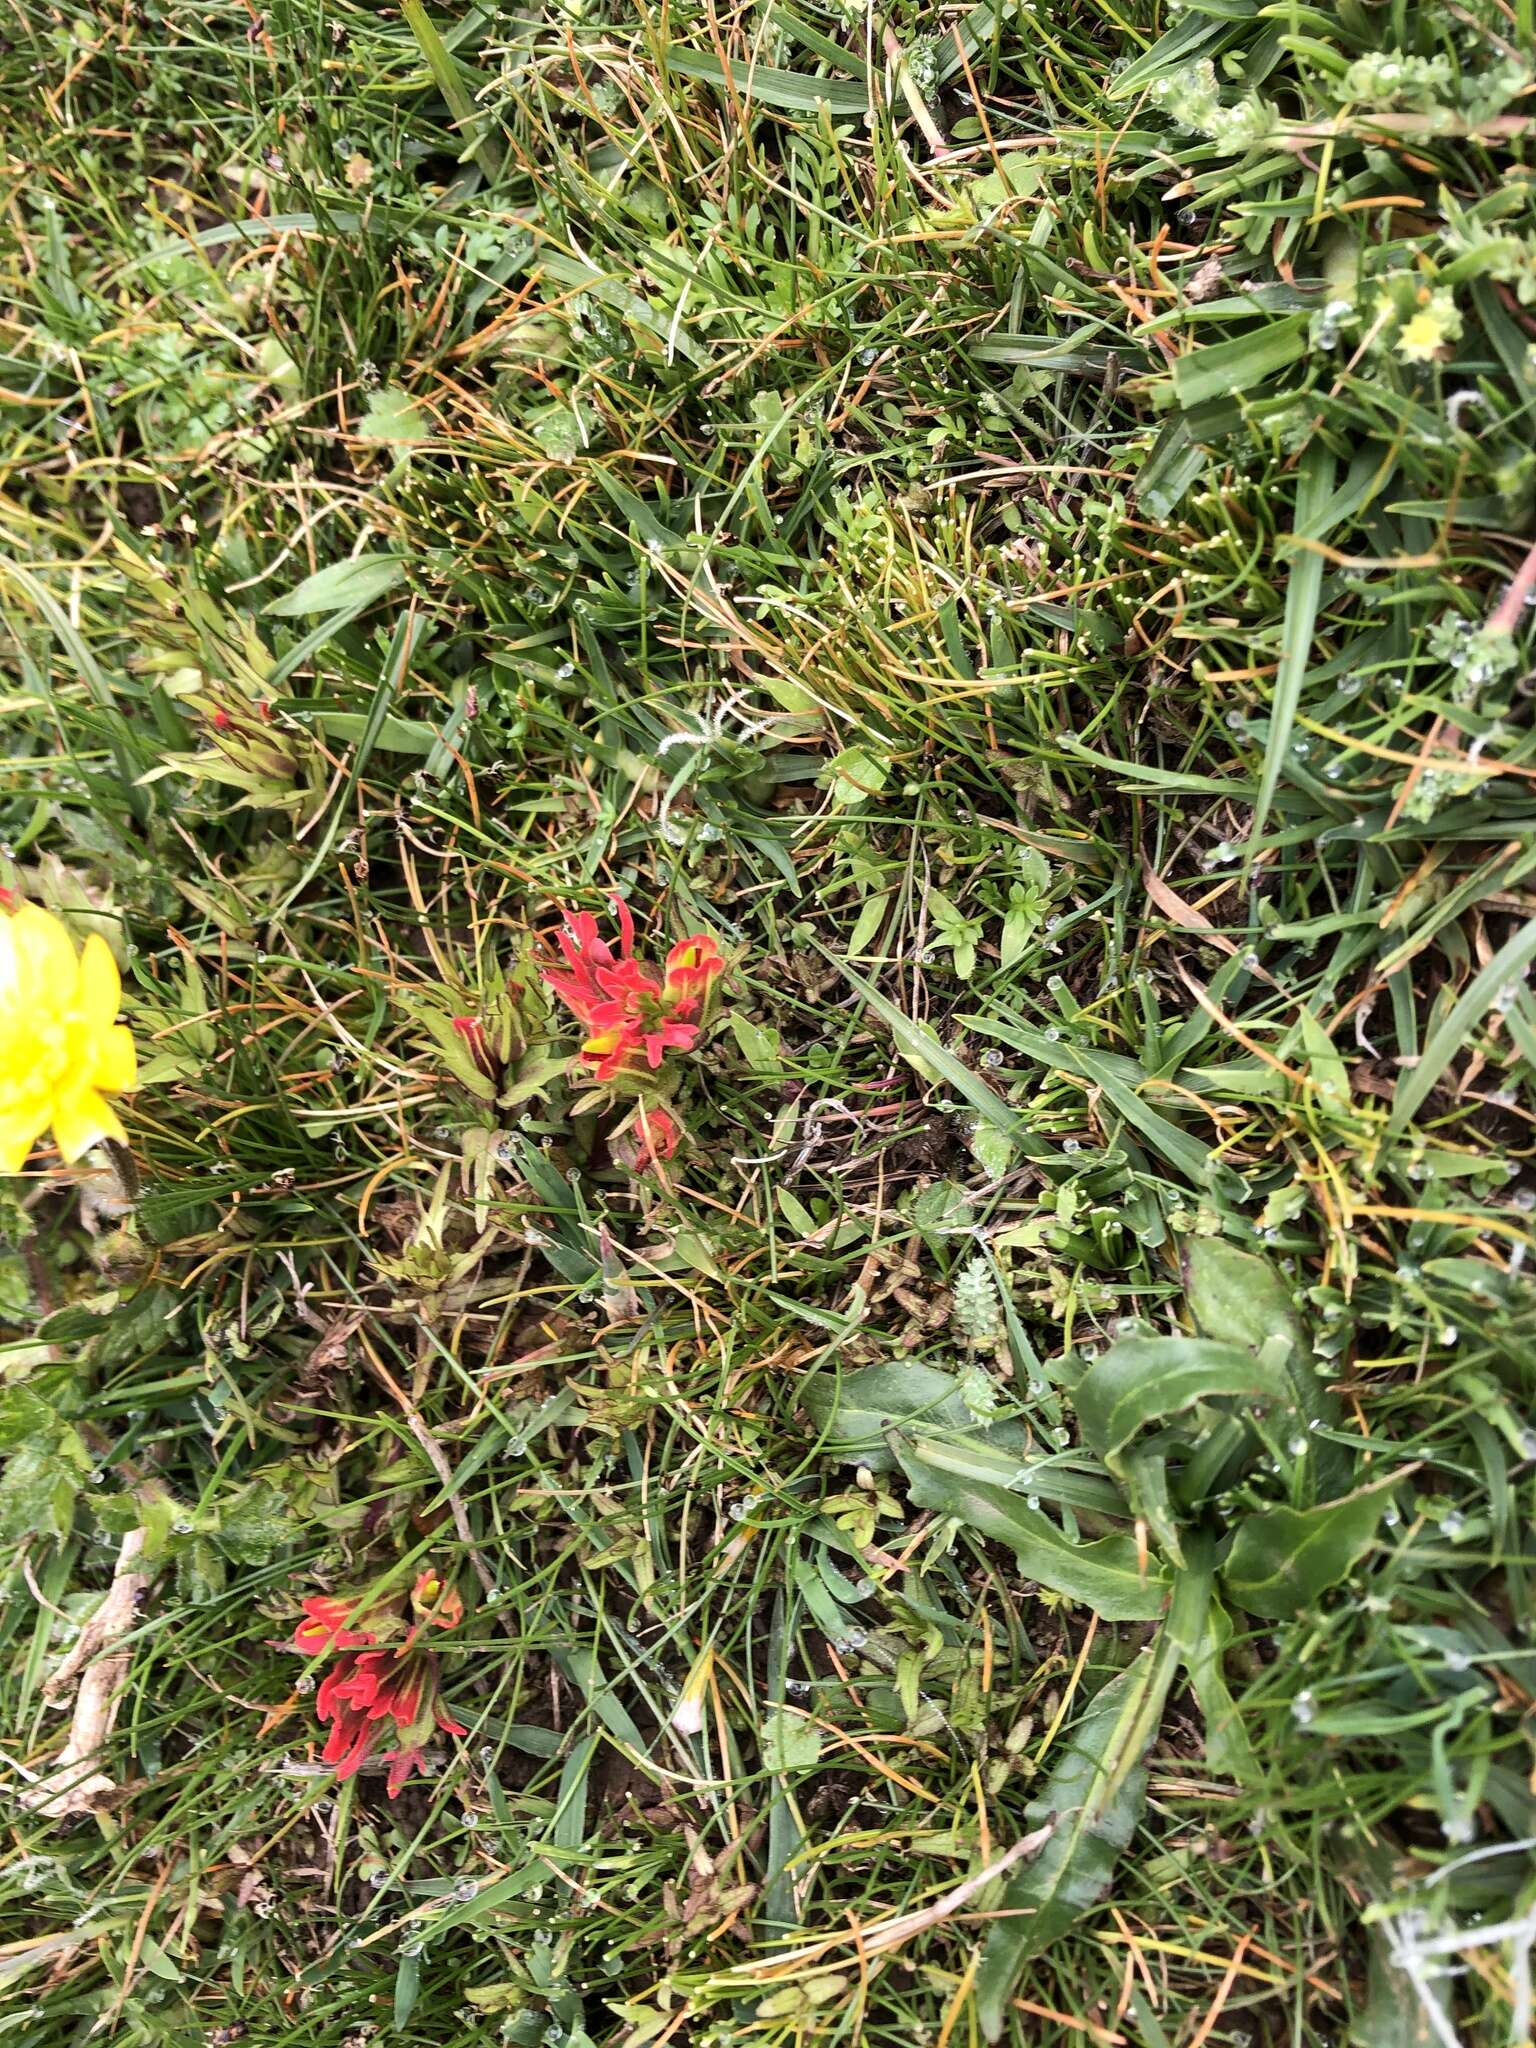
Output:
x=327 y=1625
x=478 y=1046
x=629 y=1016
x=366 y=1691
x=650 y=1135
x=378 y=1691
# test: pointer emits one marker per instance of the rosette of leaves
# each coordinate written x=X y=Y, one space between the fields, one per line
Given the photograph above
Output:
x=1210 y=1475
x=504 y=1059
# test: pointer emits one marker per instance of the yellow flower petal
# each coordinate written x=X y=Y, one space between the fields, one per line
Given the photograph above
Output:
x=82 y=1119
x=19 y=1129
x=116 y=1067
x=101 y=991
x=45 y=953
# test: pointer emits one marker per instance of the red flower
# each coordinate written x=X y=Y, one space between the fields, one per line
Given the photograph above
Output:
x=692 y=966
x=367 y=1689
x=627 y=1014
x=436 y=1603
x=379 y=1690
x=650 y=1135
x=478 y=1046
x=327 y=1626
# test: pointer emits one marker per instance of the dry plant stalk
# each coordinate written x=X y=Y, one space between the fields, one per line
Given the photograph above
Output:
x=101 y=1667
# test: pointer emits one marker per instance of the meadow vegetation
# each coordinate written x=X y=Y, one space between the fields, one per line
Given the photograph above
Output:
x=988 y=1496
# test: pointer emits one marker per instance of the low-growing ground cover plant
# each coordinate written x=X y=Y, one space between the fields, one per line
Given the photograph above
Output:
x=766 y=1049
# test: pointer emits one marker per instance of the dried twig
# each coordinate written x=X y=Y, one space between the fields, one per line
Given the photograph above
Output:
x=100 y=1667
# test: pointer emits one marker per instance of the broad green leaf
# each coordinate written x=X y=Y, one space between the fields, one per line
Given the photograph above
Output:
x=992 y=1456
x=25 y=1416
x=393 y=415
x=407 y=1985
x=1303 y=590
x=1015 y=175
x=38 y=1491
x=580 y=1665
x=1325 y=1069
x=1143 y=1473
x=1119 y=1079
x=1168 y=55
x=1281 y=1560
x=456 y=88
x=1104 y=1574
x=855 y=775
x=759 y=1044
x=856 y=1413
x=1397 y=2012
x=1142 y=1380
x=1506 y=969
x=790 y=1741
x=393 y=736
x=569 y=1824
x=1201 y=1629
x=1239 y=1296
x=342 y=585
x=992 y=1150
x=795 y=92
x=1093 y=1798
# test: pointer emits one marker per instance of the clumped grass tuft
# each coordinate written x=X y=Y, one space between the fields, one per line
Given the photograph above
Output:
x=1017 y=520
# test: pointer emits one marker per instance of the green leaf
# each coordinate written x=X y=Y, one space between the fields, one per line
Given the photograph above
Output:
x=1142 y=1380
x=255 y=1524
x=1092 y=1799
x=1222 y=367
x=1505 y=970
x=922 y=1050
x=1398 y=2013
x=25 y=1416
x=1119 y=1079
x=1238 y=1296
x=1104 y=1575
x=407 y=1985
x=1303 y=590
x=342 y=585
x=1201 y=1629
x=855 y=1414
x=38 y=1490
x=394 y=735
x=790 y=1741
x=1167 y=56
x=393 y=415
x=1280 y=1561
x=992 y=1151
x=855 y=775
x=449 y=78
x=1325 y=1068
x=794 y=92
x=759 y=1044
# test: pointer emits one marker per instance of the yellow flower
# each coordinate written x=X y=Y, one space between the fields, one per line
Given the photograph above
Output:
x=1436 y=323
x=62 y=1051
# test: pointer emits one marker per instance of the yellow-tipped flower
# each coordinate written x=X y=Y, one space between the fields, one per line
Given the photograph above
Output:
x=62 y=1050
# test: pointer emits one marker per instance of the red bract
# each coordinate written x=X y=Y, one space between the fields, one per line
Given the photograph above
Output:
x=629 y=1016
x=379 y=1690
x=327 y=1626
x=478 y=1046
x=655 y=1134
x=366 y=1690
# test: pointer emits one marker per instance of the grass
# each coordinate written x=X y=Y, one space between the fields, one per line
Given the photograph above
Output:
x=1012 y=519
